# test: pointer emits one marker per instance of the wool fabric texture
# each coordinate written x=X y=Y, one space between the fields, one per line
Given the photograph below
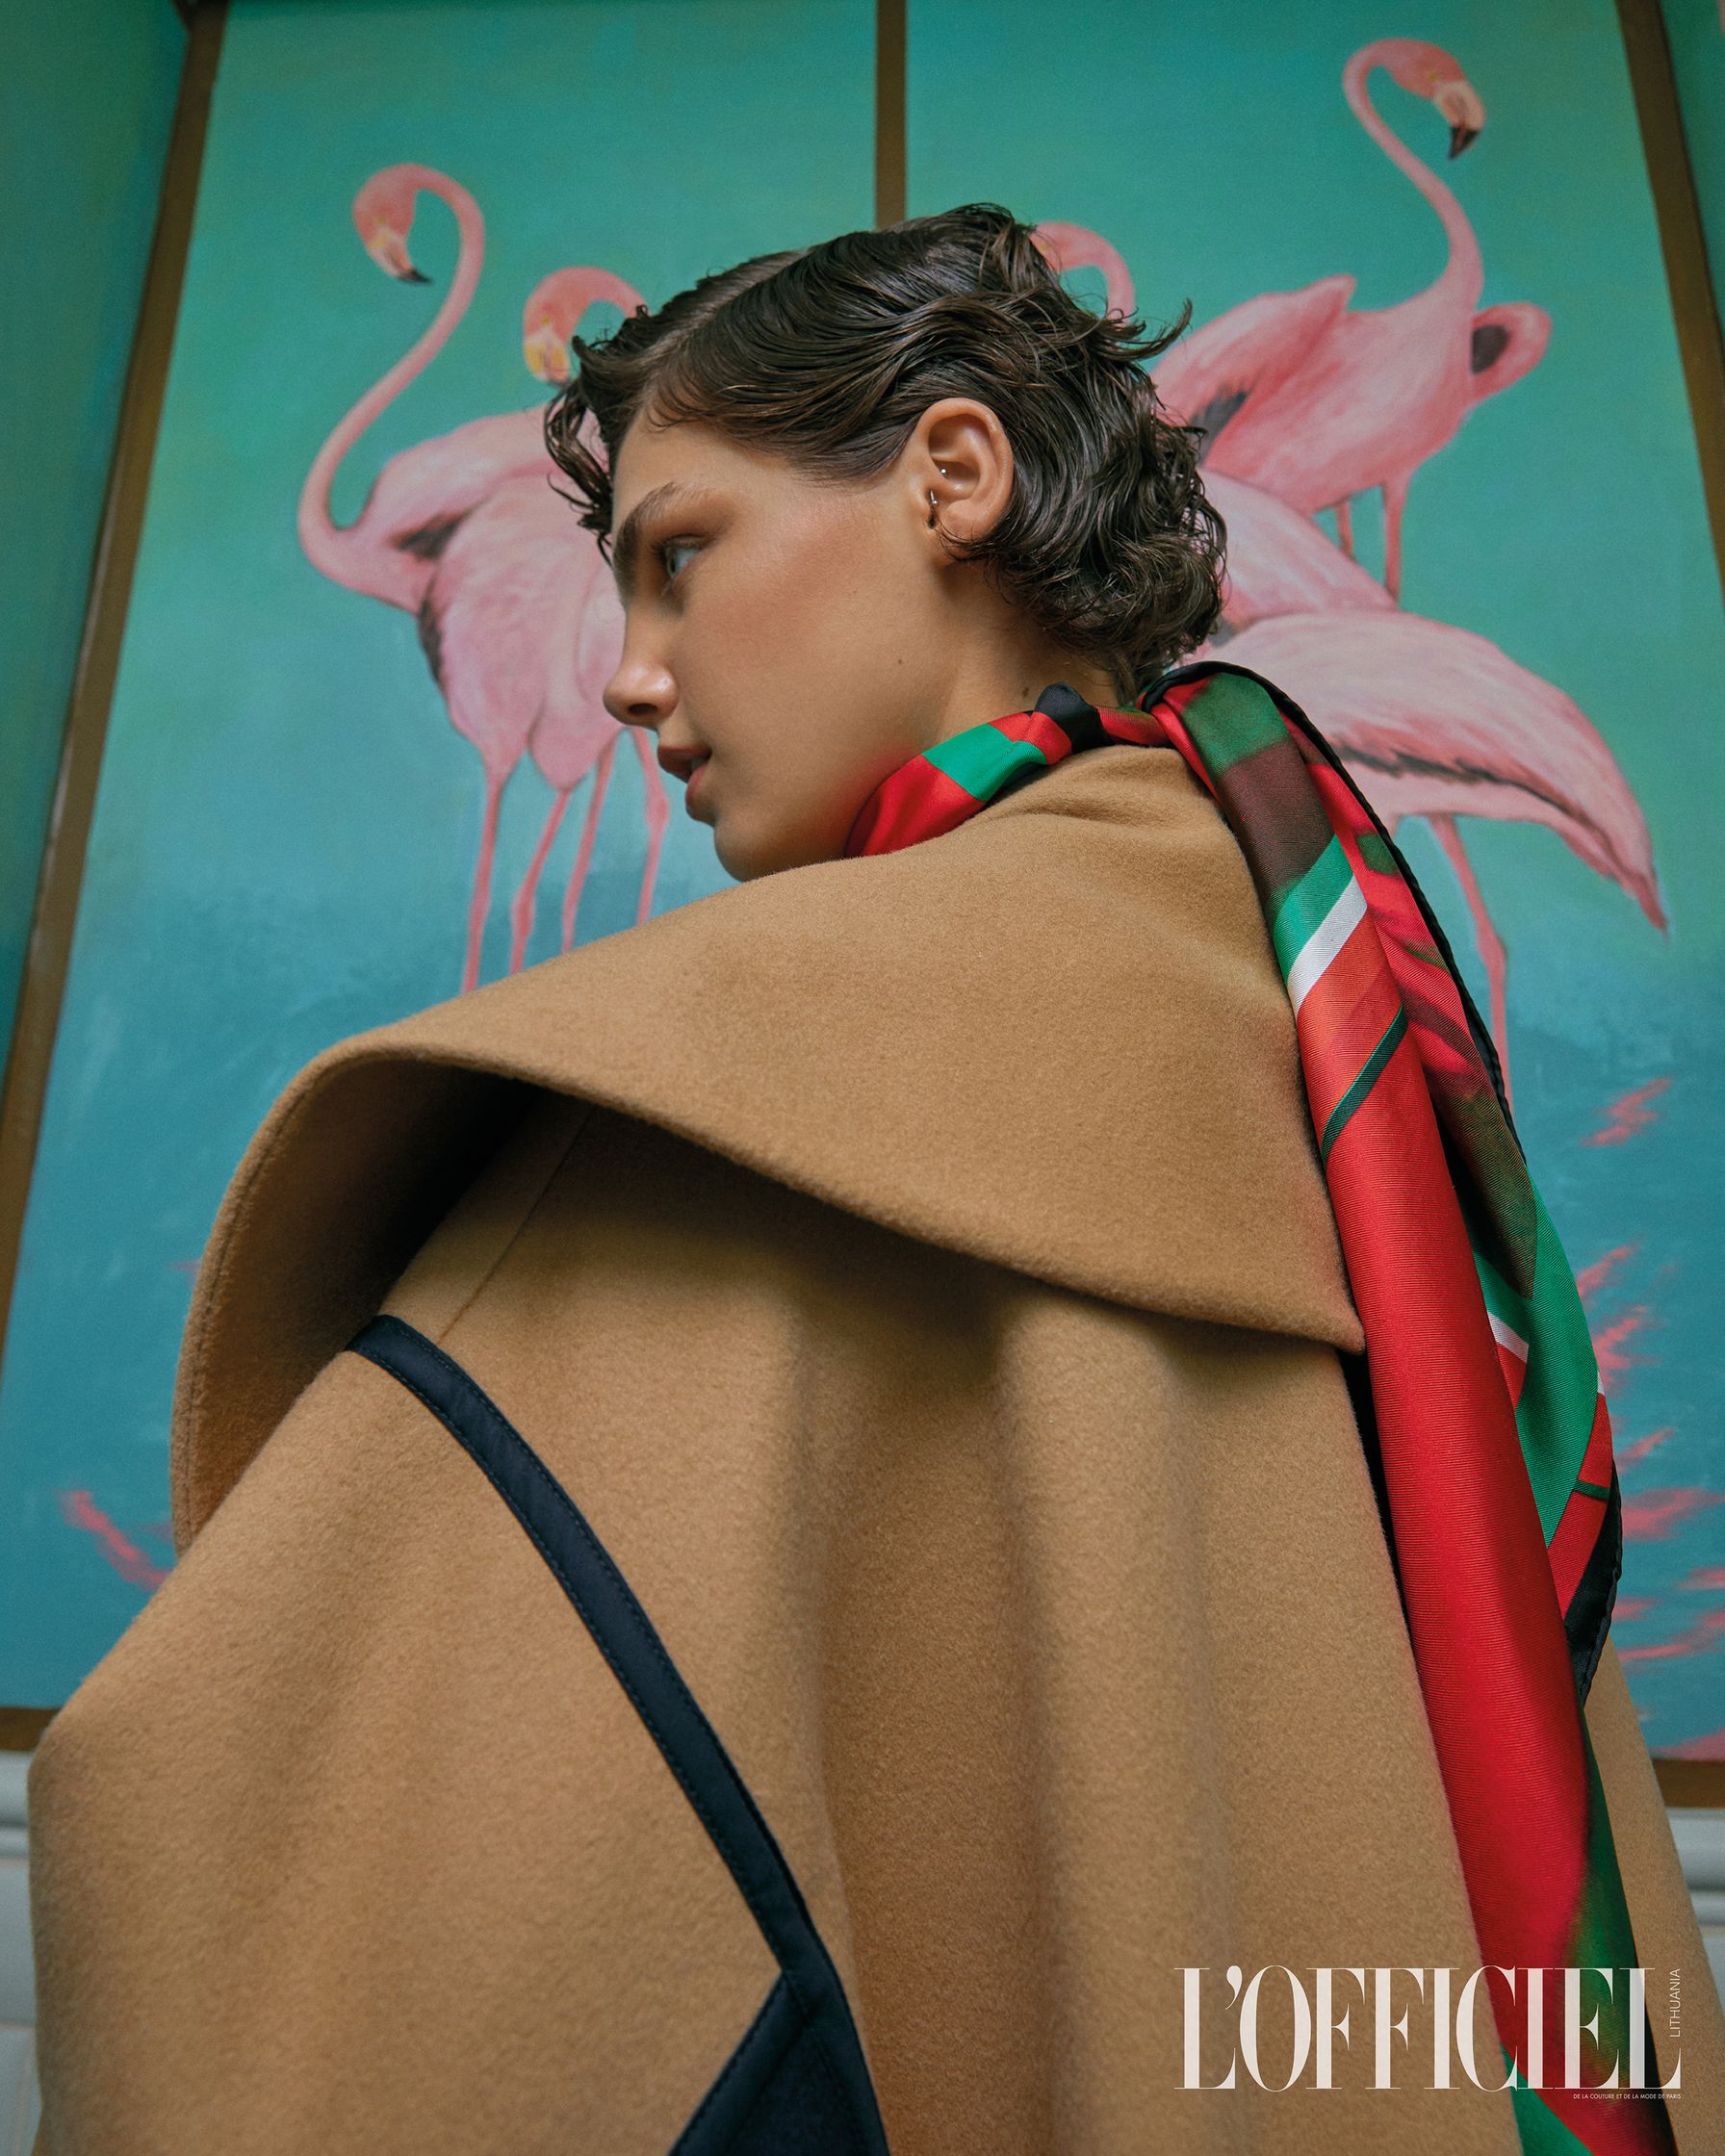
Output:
x=920 y=1271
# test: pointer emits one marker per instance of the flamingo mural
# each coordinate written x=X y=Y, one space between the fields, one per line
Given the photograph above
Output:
x=1316 y=402
x=1433 y=720
x=464 y=532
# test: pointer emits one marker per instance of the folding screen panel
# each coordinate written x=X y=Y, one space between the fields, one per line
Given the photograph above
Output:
x=86 y=94
x=298 y=811
x=1426 y=273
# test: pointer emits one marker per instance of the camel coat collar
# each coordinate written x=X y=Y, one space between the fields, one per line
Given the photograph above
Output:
x=1054 y=1038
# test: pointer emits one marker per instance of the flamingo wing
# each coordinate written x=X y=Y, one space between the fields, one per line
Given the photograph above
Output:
x=1435 y=720
x=1508 y=342
x=424 y=492
x=1280 y=562
x=1217 y=371
x=490 y=615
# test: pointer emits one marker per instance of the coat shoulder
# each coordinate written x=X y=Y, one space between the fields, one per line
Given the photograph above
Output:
x=1055 y=1038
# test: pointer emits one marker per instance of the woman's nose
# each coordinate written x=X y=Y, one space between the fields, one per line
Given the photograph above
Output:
x=640 y=692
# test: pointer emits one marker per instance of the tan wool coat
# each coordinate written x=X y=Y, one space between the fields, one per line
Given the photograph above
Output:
x=918 y=1271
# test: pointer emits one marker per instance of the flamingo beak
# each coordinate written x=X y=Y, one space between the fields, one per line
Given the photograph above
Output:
x=545 y=354
x=388 y=249
x=1462 y=105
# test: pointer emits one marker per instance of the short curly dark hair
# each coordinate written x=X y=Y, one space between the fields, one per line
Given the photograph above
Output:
x=830 y=355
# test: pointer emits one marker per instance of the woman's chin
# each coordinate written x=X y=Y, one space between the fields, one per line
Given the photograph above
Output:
x=748 y=854
x=744 y=863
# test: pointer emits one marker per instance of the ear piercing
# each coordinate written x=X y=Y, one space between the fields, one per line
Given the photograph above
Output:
x=934 y=503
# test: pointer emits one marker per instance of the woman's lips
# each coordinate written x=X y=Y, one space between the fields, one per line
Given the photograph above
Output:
x=686 y=764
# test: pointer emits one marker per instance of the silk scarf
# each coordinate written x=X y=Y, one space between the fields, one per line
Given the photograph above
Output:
x=1480 y=1408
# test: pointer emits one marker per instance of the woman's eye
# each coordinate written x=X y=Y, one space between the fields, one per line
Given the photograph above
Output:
x=671 y=554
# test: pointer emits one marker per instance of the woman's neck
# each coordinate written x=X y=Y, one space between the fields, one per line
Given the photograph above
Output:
x=1013 y=681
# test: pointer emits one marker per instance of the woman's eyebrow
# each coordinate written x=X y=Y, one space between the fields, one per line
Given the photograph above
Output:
x=628 y=547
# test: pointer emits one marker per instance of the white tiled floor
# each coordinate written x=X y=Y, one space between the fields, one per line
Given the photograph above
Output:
x=1700 y=1843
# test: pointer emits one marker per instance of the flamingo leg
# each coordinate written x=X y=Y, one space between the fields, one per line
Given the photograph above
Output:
x=1345 y=528
x=522 y=906
x=659 y=815
x=1394 y=500
x=577 y=875
x=1490 y=943
x=481 y=904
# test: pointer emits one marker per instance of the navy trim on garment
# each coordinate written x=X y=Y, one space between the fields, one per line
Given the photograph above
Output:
x=804 y=2025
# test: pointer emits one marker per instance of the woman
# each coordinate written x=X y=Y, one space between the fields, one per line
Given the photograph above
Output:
x=945 y=1599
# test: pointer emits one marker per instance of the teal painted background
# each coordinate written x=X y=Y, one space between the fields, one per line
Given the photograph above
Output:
x=286 y=827
x=1696 y=32
x=287 y=822
x=1564 y=522
x=87 y=97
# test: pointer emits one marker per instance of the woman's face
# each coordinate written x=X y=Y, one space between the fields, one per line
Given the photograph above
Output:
x=791 y=641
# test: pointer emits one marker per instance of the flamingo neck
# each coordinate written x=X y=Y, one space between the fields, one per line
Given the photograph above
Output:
x=618 y=291
x=322 y=537
x=1464 y=267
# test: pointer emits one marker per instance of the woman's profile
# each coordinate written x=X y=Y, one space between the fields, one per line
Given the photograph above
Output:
x=953 y=1501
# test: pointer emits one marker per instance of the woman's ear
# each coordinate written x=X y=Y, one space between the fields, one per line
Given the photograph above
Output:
x=959 y=464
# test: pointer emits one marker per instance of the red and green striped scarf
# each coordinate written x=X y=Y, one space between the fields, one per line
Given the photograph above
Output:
x=1481 y=1411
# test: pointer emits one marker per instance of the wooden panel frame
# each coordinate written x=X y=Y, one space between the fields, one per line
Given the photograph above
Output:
x=1694 y=303
x=891 y=64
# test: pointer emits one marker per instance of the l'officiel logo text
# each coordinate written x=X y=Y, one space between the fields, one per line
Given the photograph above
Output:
x=1566 y=2020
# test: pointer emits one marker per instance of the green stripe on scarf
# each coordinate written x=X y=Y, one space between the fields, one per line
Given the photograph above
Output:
x=1308 y=902
x=1554 y=1412
x=1239 y=720
x=980 y=759
x=1363 y=1083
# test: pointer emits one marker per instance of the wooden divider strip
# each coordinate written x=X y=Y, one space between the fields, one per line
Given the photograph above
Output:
x=1694 y=302
x=888 y=110
x=54 y=919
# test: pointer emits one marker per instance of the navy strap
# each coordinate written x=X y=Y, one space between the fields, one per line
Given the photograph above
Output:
x=624 y=1637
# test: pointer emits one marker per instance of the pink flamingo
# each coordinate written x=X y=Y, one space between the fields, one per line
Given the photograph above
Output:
x=439 y=513
x=1279 y=561
x=390 y=549
x=1437 y=722
x=1316 y=404
x=394 y=549
x=573 y=733
x=1434 y=720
